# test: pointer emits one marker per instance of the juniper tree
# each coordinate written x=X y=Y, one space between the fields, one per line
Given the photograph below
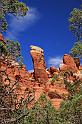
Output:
x=13 y=7
x=75 y=21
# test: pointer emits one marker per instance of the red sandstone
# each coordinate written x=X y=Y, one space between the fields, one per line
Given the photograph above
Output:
x=39 y=82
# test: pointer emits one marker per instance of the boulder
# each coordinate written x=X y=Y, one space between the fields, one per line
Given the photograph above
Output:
x=53 y=70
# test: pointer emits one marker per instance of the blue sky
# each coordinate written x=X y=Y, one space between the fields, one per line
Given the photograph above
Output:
x=45 y=25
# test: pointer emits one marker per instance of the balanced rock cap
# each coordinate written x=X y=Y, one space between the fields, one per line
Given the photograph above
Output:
x=36 y=48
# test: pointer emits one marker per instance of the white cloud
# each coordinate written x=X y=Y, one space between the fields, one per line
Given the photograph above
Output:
x=55 y=61
x=18 y=25
x=31 y=71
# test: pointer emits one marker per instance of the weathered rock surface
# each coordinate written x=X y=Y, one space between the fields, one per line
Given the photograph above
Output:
x=52 y=71
x=77 y=61
x=10 y=73
x=1 y=37
x=38 y=82
x=40 y=73
x=80 y=67
x=68 y=64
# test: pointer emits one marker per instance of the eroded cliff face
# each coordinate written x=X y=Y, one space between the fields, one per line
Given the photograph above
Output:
x=41 y=80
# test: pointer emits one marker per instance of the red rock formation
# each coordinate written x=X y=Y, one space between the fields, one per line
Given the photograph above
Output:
x=1 y=37
x=38 y=81
x=10 y=73
x=68 y=64
x=77 y=61
x=80 y=67
x=40 y=73
x=52 y=70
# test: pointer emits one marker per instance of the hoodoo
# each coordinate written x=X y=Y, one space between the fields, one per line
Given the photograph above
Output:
x=39 y=64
